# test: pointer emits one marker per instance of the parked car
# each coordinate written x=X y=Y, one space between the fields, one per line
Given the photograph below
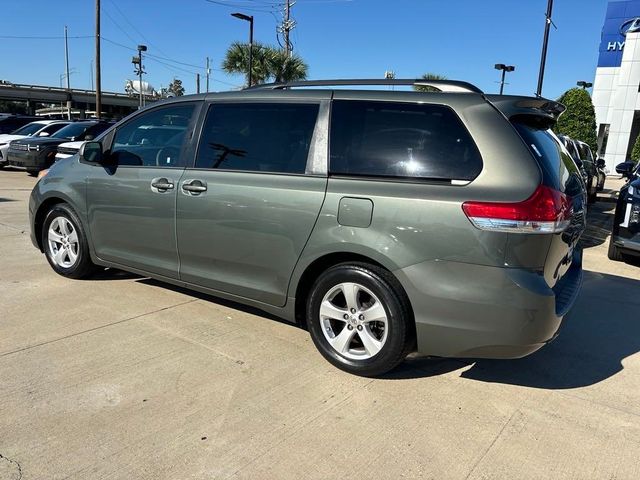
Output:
x=9 y=123
x=67 y=149
x=625 y=234
x=383 y=221
x=35 y=154
x=586 y=167
x=39 y=128
x=601 y=171
x=589 y=164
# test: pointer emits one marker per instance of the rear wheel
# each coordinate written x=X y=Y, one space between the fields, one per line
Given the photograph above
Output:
x=359 y=319
x=65 y=243
x=614 y=252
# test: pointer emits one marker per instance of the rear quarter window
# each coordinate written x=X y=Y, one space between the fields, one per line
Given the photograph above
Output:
x=401 y=140
x=559 y=171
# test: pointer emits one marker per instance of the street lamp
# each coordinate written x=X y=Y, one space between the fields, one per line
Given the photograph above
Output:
x=248 y=18
x=137 y=63
x=505 y=69
x=584 y=84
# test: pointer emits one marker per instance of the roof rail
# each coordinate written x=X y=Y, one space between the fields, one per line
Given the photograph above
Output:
x=449 y=86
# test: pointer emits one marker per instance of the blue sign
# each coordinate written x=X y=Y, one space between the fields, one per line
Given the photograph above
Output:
x=623 y=16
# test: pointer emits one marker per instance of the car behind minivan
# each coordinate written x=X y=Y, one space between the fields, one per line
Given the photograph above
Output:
x=384 y=222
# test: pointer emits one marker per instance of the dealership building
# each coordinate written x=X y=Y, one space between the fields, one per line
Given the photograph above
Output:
x=616 y=89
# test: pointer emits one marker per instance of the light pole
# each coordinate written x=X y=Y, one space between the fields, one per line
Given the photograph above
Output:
x=137 y=63
x=248 y=18
x=584 y=84
x=505 y=69
x=545 y=44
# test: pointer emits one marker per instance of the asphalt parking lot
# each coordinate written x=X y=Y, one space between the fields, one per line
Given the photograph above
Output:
x=122 y=377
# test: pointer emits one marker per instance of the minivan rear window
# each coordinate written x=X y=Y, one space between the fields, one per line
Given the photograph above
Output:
x=401 y=140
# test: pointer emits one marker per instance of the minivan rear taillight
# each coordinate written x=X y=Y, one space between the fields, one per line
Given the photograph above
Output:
x=546 y=211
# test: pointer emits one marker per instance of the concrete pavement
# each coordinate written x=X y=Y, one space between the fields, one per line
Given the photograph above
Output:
x=122 y=377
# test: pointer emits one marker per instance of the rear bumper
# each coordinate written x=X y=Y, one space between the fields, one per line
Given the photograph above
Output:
x=475 y=311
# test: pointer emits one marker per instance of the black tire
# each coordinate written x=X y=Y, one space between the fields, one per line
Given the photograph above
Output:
x=592 y=192
x=82 y=267
x=32 y=172
x=400 y=329
x=614 y=252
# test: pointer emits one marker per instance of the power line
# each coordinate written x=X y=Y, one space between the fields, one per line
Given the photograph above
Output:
x=30 y=37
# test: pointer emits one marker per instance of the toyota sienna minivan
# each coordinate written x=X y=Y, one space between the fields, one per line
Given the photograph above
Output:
x=384 y=222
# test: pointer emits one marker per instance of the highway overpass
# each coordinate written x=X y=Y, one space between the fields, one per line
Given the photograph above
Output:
x=116 y=104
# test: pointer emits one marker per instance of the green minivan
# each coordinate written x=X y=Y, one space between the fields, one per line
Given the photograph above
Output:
x=384 y=222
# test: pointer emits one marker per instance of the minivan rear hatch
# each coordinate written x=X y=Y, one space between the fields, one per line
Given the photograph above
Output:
x=533 y=118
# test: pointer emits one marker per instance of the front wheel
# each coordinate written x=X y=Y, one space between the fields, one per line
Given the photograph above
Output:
x=65 y=244
x=359 y=319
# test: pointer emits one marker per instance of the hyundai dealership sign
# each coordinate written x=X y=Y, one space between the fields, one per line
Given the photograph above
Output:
x=622 y=17
x=615 y=88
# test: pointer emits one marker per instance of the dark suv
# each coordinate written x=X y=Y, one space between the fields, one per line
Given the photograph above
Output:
x=35 y=154
x=384 y=221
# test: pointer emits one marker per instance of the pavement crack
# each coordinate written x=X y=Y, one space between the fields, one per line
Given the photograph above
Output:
x=17 y=471
x=493 y=442
x=118 y=322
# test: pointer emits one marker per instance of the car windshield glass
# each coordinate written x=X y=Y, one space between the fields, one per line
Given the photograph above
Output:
x=29 y=129
x=71 y=131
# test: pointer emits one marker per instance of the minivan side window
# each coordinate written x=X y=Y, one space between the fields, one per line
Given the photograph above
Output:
x=154 y=138
x=257 y=137
x=401 y=140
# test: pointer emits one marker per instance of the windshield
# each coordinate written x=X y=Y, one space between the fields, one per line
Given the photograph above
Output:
x=72 y=131
x=29 y=129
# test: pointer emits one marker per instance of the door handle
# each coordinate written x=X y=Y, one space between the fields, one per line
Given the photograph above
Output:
x=162 y=184
x=194 y=187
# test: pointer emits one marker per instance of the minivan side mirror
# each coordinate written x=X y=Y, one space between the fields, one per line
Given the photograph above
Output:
x=625 y=168
x=600 y=163
x=91 y=152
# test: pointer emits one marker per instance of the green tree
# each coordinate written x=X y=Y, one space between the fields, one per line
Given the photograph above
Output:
x=283 y=68
x=579 y=119
x=635 y=153
x=176 y=87
x=8 y=106
x=268 y=63
x=236 y=60
x=429 y=76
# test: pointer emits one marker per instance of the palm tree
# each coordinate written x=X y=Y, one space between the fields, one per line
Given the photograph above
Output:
x=429 y=76
x=268 y=63
x=236 y=60
x=285 y=68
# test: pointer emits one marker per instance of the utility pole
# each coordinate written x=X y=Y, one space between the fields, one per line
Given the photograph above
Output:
x=208 y=73
x=66 y=67
x=197 y=83
x=287 y=26
x=98 y=86
x=545 y=44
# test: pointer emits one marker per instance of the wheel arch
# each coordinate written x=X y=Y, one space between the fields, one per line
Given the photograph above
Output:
x=313 y=269
x=40 y=215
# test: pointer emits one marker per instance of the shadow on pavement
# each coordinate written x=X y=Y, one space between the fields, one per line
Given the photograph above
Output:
x=6 y=200
x=599 y=223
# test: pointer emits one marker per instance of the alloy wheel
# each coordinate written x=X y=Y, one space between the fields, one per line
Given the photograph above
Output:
x=354 y=321
x=63 y=242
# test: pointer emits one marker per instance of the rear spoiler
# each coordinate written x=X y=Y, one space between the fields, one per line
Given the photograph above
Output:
x=540 y=111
